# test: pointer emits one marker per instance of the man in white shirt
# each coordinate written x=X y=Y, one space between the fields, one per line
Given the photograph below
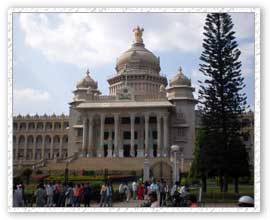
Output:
x=134 y=190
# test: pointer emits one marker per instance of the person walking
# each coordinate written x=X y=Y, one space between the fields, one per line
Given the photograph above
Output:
x=127 y=191
x=140 y=191
x=49 y=192
x=102 y=195
x=87 y=195
x=61 y=202
x=108 y=196
x=162 y=193
x=121 y=191
x=18 y=196
x=77 y=194
x=154 y=187
x=134 y=190
x=40 y=196
x=69 y=195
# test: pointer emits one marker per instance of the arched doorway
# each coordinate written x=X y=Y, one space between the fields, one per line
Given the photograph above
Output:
x=161 y=170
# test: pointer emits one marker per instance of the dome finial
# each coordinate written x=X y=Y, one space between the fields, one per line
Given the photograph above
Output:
x=87 y=72
x=138 y=34
x=180 y=70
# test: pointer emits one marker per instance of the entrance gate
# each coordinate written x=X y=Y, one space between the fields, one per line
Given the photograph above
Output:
x=161 y=170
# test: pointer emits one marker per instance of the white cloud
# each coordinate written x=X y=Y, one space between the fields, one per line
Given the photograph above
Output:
x=28 y=95
x=97 y=39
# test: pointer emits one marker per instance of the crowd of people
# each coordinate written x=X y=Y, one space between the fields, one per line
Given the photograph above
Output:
x=157 y=194
x=150 y=193
x=55 y=194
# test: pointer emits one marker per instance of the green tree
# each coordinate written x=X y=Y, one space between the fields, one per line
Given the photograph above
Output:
x=221 y=100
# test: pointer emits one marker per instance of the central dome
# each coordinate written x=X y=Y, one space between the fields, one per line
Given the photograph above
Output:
x=138 y=56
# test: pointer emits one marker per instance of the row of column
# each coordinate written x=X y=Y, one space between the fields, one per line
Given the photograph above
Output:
x=34 y=150
x=119 y=152
x=44 y=128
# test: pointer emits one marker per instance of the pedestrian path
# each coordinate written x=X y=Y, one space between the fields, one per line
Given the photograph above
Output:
x=130 y=203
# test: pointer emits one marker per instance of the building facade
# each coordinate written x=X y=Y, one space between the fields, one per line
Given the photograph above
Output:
x=141 y=117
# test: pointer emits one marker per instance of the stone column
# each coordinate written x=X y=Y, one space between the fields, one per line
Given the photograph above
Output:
x=146 y=131
x=116 y=147
x=101 y=147
x=17 y=150
x=140 y=152
x=25 y=150
x=146 y=170
x=90 y=136
x=84 y=142
x=159 y=152
x=51 y=149
x=34 y=149
x=109 y=144
x=43 y=148
x=165 y=133
x=132 y=120
x=60 y=148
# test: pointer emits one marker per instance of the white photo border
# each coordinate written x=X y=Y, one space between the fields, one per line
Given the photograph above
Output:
x=257 y=179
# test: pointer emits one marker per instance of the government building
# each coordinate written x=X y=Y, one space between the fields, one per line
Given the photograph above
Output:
x=142 y=117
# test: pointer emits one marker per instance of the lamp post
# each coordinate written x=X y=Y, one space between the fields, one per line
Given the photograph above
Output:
x=174 y=150
x=66 y=174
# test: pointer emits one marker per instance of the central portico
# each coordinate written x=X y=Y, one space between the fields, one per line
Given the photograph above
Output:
x=124 y=131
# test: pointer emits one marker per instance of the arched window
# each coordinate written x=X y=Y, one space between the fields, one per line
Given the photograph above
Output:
x=65 y=140
x=31 y=126
x=15 y=126
x=21 y=140
x=57 y=125
x=40 y=125
x=48 y=140
x=30 y=140
x=39 y=140
x=56 y=140
x=22 y=126
x=48 y=126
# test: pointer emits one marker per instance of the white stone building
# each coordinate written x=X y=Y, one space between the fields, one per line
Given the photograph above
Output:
x=141 y=117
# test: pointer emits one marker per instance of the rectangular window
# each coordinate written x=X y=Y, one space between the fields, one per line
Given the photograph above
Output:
x=154 y=134
x=106 y=135
x=181 y=132
x=80 y=132
x=125 y=120
x=137 y=120
x=126 y=135
x=109 y=121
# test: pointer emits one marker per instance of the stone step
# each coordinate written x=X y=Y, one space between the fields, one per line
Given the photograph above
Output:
x=125 y=164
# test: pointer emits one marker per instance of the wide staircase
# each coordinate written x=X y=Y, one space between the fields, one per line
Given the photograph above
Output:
x=125 y=164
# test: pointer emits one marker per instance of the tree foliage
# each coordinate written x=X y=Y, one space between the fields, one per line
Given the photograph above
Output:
x=220 y=151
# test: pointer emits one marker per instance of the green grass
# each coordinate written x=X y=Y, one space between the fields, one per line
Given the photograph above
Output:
x=213 y=194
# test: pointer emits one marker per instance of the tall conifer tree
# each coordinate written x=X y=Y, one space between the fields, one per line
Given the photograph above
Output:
x=221 y=100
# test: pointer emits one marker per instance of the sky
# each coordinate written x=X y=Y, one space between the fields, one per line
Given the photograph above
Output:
x=52 y=51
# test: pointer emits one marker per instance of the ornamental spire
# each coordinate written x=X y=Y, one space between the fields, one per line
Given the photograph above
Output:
x=87 y=72
x=180 y=70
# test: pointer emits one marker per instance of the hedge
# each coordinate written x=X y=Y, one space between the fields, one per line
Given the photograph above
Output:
x=75 y=178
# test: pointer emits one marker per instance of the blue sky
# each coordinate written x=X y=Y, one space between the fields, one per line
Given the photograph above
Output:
x=51 y=51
